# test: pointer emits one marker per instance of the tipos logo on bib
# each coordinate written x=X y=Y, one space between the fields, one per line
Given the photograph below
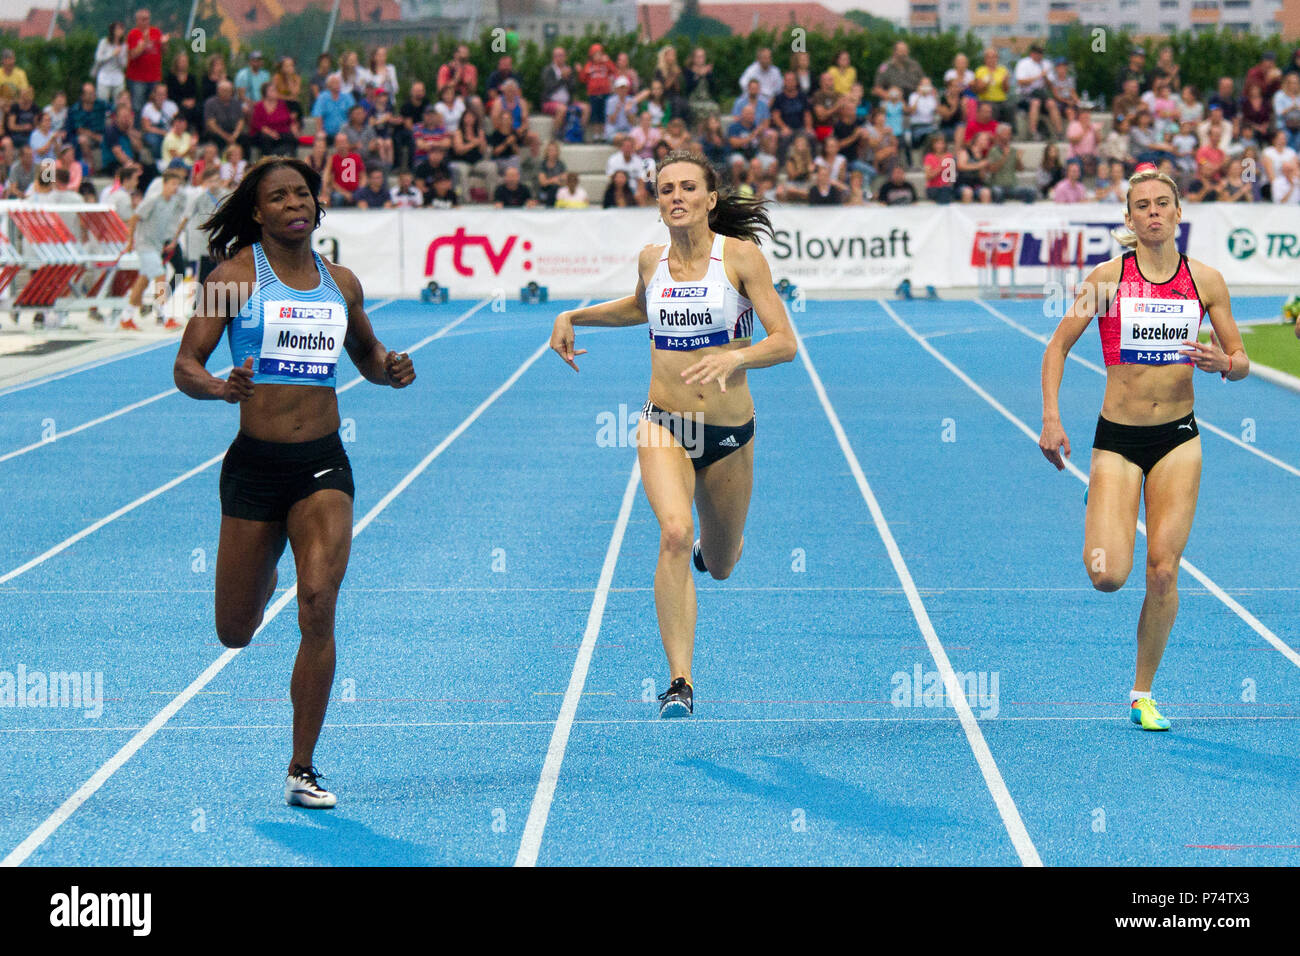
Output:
x=1152 y=331
x=688 y=317
x=302 y=340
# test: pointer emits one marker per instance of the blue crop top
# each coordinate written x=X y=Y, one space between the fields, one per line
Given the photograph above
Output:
x=295 y=337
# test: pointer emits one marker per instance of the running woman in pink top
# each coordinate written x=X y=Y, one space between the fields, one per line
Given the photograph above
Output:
x=699 y=294
x=1150 y=302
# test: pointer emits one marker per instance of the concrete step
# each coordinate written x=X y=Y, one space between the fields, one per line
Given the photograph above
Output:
x=589 y=158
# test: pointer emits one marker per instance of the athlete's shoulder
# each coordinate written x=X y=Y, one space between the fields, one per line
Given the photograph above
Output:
x=240 y=267
x=648 y=259
x=344 y=278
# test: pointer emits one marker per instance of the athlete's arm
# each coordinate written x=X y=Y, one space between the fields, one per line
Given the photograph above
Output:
x=374 y=362
x=1224 y=353
x=629 y=310
x=1053 y=442
x=202 y=333
x=755 y=284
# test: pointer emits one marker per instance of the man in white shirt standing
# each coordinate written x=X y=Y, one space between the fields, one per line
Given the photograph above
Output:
x=1032 y=78
x=770 y=80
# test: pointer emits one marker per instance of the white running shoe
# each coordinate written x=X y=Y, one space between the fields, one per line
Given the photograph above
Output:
x=302 y=789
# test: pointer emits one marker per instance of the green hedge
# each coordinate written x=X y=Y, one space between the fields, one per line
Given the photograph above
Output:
x=63 y=63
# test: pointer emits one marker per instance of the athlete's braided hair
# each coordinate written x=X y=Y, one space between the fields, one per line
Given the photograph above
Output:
x=741 y=217
x=1125 y=236
x=231 y=226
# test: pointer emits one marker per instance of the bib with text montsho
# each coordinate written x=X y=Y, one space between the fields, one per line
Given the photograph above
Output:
x=302 y=340
x=1152 y=331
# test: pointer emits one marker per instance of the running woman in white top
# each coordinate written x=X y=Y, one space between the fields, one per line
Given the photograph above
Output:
x=700 y=294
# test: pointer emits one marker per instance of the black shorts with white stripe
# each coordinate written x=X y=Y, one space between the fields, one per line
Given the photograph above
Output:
x=262 y=480
x=704 y=443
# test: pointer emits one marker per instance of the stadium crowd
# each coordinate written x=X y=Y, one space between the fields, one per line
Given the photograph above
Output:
x=796 y=132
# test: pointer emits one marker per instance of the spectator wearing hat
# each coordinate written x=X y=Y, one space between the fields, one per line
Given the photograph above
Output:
x=429 y=133
x=597 y=75
x=1032 y=76
x=144 y=46
x=620 y=111
x=250 y=80
x=1135 y=69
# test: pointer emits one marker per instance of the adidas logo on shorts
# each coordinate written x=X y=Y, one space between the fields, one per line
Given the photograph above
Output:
x=729 y=442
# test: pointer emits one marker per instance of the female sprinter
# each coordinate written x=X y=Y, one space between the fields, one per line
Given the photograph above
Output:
x=286 y=477
x=1150 y=302
x=700 y=294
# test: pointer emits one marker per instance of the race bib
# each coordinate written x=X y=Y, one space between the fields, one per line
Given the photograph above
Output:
x=1152 y=331
x=302 y=340
x=686 y=317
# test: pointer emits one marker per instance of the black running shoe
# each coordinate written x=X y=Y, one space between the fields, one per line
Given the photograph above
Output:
x=678 y=699
x=697 y=556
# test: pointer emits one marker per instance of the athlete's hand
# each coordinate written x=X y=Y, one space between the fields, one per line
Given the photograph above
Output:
x=562 y=340
x=1051 y=442
x=399 y=369
x=239 y=387
x=1207 y=356
x=717 y=367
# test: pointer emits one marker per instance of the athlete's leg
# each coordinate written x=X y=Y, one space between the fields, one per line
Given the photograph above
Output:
x=1110 y=524
x=722 y=492
x=320 y=532
x=247 y=553
x=669 y=481
x=1171 y=490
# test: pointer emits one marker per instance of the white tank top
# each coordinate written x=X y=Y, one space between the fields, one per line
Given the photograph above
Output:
x=694 y=315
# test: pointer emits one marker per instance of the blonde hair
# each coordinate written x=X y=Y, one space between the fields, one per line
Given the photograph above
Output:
x=1127 y=237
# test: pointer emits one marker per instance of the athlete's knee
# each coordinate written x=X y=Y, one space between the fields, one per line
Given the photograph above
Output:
x=1162 y=573
x=235 y=633
x=1107 y=572
x=676 y=535
x=720 y=570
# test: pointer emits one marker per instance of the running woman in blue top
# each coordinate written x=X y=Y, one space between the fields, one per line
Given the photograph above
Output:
x=700 y=294
x=286 y=478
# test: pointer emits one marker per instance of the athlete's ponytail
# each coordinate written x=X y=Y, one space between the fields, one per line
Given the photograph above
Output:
x=741 y=217
x=232 y=226
x=1125 y=236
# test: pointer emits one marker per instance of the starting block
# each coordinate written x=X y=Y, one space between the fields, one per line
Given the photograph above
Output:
x=786 y=289
x=433 y=292
x=904 y=290
x=533 y=294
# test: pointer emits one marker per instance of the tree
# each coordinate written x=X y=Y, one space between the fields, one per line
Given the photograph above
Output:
x=169 y=16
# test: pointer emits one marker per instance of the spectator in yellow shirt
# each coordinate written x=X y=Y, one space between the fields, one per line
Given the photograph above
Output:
x=992 y=81
x=843 y=73
x=13 y=79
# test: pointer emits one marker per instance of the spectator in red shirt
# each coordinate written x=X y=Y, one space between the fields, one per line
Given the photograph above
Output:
x=597 y=75
x=346 y=169
x=1265 y=74
x=982 y=123
x=272 y=126
x=144 y=47
x=463 y=75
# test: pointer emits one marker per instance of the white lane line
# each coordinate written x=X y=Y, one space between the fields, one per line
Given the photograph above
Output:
x=1255 y=624
x=149 y=496
x=630 y=721
x=997 y=787
x=540 y=810
x=23 y=386
x=1209 y=426
x=55 y=820
x=119 y=357
x=97 y=421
